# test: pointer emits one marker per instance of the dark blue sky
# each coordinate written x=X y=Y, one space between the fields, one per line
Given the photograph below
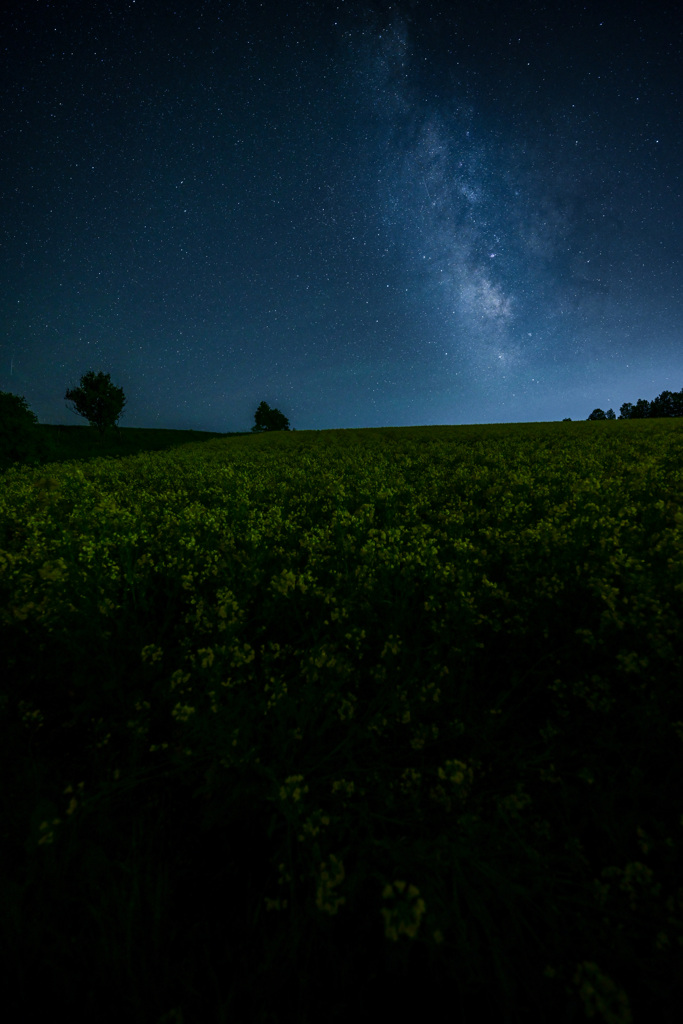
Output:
x=364 y=214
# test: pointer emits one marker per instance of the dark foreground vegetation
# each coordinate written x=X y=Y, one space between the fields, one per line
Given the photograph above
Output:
x=324 y=726
x=79 y=441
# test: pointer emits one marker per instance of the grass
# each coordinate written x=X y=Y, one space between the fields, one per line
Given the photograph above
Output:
x=77 y=441
x=311 y=725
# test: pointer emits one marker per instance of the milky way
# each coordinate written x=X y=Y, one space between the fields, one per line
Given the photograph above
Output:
x=518 y=238
x=363 y=214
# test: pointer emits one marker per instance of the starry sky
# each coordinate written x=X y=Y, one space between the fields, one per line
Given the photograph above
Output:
x=363 y=213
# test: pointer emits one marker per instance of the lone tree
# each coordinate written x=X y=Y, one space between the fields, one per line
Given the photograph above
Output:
x=269 y=419
x=98 y=400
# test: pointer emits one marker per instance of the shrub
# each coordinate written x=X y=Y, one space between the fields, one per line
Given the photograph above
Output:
x=20 y=438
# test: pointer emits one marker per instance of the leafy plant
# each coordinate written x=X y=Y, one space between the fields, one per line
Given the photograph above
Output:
x=352 y=722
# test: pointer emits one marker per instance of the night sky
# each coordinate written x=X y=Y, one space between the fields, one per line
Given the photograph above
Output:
x=364 y=214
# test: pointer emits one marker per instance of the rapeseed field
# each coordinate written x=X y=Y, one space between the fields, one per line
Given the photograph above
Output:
x=298 y=725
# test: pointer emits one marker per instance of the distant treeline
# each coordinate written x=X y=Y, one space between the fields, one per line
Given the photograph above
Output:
x=669 y=403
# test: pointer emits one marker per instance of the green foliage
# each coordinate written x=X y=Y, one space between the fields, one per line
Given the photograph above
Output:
x=20 y=438
x=269 y=419
x=373 y=716
x=98 y=400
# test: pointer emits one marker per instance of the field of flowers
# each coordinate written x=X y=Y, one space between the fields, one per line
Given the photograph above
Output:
x=297 y=723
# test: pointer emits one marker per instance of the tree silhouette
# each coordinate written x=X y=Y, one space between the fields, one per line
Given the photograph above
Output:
x=598 y=414
x=668 y=404
x=641 y=410
x=269 y=419
x=20 y=438
x=98 y=400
